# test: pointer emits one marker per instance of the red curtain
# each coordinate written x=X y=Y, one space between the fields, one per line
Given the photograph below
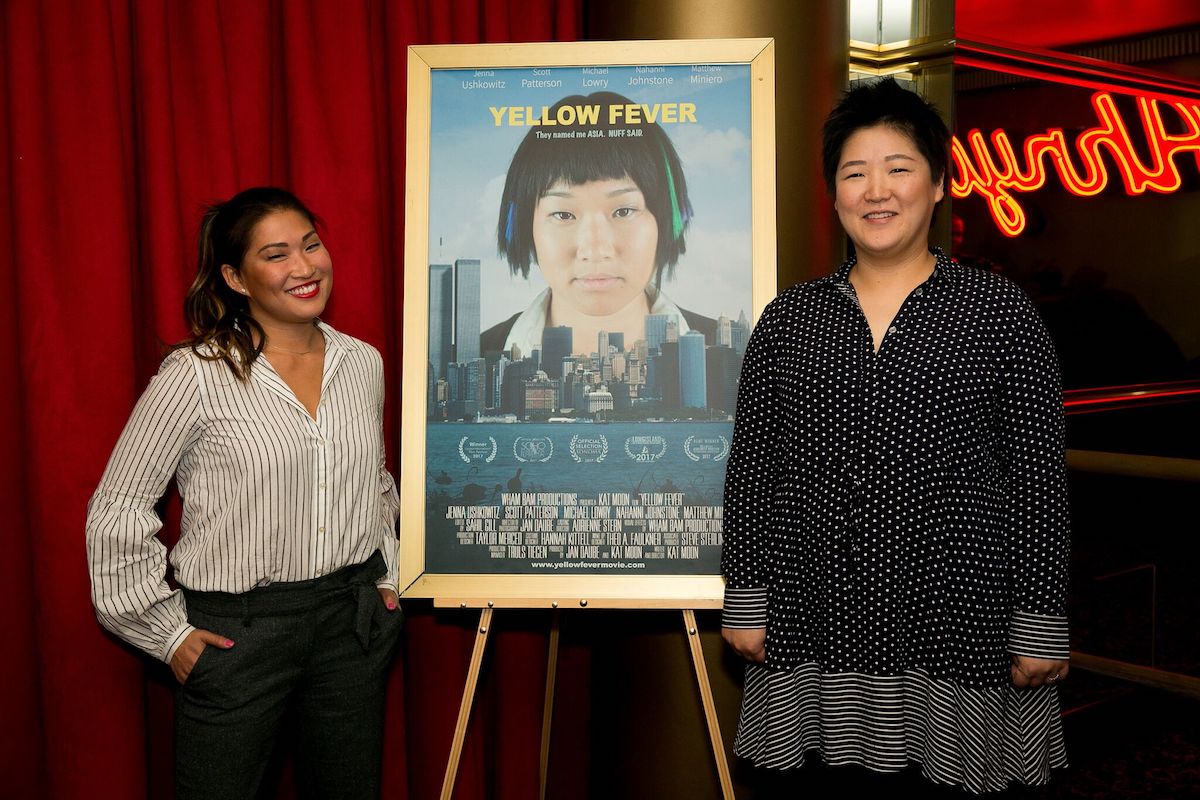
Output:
x=121 y=118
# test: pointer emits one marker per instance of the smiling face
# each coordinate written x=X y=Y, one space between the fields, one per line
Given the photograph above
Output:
x=885 y=194
x=286 y=272
x=596 y=245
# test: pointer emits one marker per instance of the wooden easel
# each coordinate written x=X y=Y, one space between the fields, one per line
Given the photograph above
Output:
x=481 y=637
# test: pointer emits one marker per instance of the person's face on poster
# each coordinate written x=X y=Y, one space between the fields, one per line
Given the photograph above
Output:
x=596 y=244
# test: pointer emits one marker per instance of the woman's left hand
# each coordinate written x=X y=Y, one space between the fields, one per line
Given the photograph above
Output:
x=1030 y=673
x=389 y=598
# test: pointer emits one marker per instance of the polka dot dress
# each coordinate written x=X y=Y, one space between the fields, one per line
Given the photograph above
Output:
x=897 y=521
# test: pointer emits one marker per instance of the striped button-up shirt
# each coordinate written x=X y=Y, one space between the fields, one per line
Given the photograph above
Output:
x=269 y=493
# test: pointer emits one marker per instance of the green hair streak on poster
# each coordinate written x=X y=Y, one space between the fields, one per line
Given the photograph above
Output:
x=676 y=216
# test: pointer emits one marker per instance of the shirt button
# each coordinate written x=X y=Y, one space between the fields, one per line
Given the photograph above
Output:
x=892 y=329
x=321 y=529
x=320 y=441
x=919 y=291
x=322 y=487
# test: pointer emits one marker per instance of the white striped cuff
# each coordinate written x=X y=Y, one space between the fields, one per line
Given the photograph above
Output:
x=174 y=640
x=1038 y=635
x=744 y=608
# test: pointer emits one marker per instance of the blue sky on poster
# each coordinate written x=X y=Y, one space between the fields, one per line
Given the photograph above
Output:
x=469 y=156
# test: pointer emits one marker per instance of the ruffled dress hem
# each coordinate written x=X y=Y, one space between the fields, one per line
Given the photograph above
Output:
x=981 y=739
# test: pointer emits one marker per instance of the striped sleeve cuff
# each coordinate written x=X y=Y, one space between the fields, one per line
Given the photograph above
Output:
x=744 y=608
x=1038 y=635
x=173 y=642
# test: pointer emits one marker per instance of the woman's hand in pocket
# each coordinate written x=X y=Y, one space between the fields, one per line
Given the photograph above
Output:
x=189 y=652
x=390 y=601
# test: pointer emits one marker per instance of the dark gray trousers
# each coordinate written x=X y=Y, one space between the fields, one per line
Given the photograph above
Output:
x=313 y=654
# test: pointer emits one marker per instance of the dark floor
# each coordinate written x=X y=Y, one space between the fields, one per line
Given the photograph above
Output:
x=1127 y=742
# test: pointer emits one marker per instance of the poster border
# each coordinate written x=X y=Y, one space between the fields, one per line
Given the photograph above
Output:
x=513 y=590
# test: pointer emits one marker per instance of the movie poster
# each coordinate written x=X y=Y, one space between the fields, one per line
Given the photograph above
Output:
x=589 y=305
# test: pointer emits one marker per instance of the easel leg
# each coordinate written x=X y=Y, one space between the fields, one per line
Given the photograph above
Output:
x=710 y=710
x=464 y=709
x=548 y=705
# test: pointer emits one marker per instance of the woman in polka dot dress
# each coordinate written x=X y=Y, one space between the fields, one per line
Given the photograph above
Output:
x=895 y=500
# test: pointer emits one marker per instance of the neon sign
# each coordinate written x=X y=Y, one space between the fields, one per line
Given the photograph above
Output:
x=996 y=174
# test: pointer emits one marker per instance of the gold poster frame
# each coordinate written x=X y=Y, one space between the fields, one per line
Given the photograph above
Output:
x=557 y=591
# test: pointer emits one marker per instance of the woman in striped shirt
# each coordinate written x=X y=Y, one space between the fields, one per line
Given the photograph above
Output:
x=270 y=422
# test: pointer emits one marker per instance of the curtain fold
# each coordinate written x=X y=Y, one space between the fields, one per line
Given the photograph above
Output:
x=122 y=118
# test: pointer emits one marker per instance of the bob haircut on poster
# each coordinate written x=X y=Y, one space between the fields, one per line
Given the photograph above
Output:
x=649 y=159
x=589 y=233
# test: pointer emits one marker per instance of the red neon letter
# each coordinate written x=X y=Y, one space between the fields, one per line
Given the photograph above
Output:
x=996 y=177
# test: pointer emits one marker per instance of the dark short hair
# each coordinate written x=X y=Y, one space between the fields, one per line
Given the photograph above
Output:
x=648 y=158
x=885 y=102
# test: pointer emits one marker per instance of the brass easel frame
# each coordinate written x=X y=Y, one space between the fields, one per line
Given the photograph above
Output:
x=488 y=607
x=489 y=591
